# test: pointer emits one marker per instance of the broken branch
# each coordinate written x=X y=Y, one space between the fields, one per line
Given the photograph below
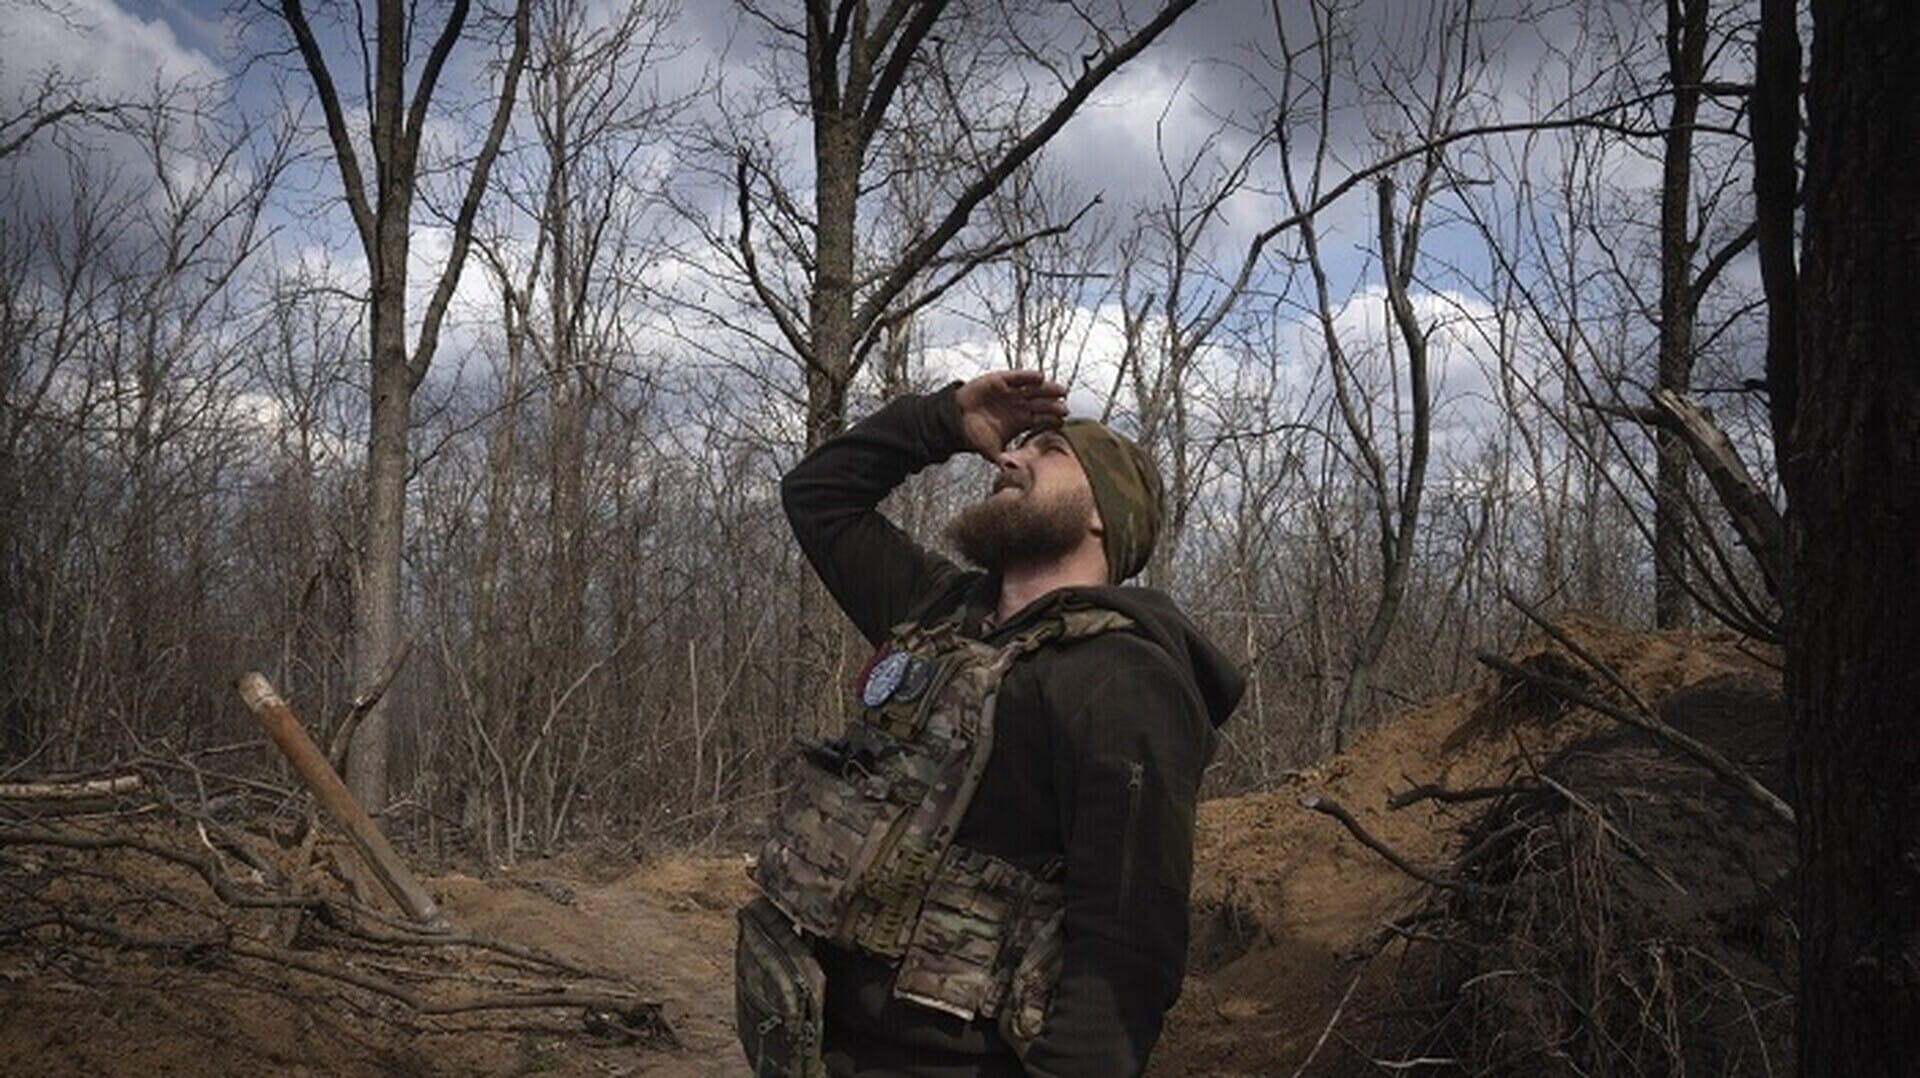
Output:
x=1754 y=515
x=1328 y=806
x=292 y=740
x=81 y=790
x=1431 y=792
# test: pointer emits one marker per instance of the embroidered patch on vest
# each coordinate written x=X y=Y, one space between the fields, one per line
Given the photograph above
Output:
x=884 y=677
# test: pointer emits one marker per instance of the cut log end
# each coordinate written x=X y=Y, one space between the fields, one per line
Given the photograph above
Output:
x=257 y=692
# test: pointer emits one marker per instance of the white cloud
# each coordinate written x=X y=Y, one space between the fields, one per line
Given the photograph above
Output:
x=115 y=53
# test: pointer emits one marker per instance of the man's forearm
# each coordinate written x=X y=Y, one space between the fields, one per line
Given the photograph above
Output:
x=876 y=572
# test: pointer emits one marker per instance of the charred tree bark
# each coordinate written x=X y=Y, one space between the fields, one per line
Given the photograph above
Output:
x=1853 y=615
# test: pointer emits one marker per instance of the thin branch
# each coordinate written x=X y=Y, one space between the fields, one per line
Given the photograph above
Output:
x=1332 y=1020
x=1432 y=792
x=470 y=202
x=350 y=175
x=1329 y=807
x=49 y=118
x=917 y=257
x=785 y=319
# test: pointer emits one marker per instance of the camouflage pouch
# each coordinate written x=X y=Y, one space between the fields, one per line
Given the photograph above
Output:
x=777 y=990
x=1024 y=1012
x=979 y=924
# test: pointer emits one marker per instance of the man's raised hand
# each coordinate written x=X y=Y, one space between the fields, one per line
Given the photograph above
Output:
x=999 y=406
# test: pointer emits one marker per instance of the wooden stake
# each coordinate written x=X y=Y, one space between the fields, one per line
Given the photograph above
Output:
x=311 y=765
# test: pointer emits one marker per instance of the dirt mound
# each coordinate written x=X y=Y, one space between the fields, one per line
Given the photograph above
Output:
x=1287 y=901
x=1638 y=910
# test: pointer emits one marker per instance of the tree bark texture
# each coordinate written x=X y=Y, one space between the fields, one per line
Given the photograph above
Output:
x=837 y=158
x=382 y=214
x=376 y=596
x=1679 y=304
x=1853 y=479
x=376 y=606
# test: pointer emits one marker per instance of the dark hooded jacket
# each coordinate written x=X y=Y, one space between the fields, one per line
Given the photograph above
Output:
x=1099 y=746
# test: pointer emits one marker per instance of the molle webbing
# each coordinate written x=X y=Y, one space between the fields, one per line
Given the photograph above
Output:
x=861 y=852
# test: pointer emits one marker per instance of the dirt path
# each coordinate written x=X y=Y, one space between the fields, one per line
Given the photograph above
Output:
x=668 y=926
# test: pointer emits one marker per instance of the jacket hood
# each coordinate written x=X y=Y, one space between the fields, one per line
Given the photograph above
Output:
x=1158 y=619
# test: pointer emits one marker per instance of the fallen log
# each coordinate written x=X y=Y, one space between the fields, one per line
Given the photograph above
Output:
x=311 y=765
x=71 y=790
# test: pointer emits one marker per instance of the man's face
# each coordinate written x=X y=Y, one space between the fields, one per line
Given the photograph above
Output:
x=1040 y=508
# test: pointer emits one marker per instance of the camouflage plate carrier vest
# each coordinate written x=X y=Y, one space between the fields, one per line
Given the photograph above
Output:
x=862 y=850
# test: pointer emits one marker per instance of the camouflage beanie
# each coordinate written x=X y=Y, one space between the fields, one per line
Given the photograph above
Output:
x=1126 y=491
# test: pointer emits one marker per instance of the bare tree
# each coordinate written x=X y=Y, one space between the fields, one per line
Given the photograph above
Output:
x=1038 y=303
x=1685 y=216
x=568 y=251
x=126 y=326
x=1174 y=301
x=1395 y=489
x=382 y=212
x=861 y=65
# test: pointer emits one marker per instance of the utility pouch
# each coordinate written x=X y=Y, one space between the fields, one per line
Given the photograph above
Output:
x=777 y=990
x=980 y=923
x=1024 y=1013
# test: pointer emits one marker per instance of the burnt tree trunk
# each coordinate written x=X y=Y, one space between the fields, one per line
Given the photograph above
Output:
x=1852 y=468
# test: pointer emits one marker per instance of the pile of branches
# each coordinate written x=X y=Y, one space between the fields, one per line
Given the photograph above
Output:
x=232 y=874
x=1622 y=908
x=1566 y=946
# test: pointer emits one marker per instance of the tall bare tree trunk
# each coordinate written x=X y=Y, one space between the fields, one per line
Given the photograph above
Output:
x=376 y=597
x=1852 y=467
x=382 y=215
x=837 y=157
x=1679 y=304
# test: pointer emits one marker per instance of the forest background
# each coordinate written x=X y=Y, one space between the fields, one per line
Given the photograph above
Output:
x=1388 y=289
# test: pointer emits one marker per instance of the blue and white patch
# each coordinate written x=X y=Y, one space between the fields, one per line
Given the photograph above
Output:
x=884 y=678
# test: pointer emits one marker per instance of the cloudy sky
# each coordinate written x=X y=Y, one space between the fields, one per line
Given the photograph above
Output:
x=1201 y=93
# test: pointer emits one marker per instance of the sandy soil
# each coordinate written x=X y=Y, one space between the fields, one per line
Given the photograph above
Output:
x=1285 y=899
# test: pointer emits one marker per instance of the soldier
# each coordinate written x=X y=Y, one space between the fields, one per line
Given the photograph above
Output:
x=987 y=872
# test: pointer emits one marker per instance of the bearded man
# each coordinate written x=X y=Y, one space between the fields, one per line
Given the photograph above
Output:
x=987 y=872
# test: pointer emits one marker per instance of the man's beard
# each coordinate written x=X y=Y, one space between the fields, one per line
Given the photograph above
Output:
x=1002 y=532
